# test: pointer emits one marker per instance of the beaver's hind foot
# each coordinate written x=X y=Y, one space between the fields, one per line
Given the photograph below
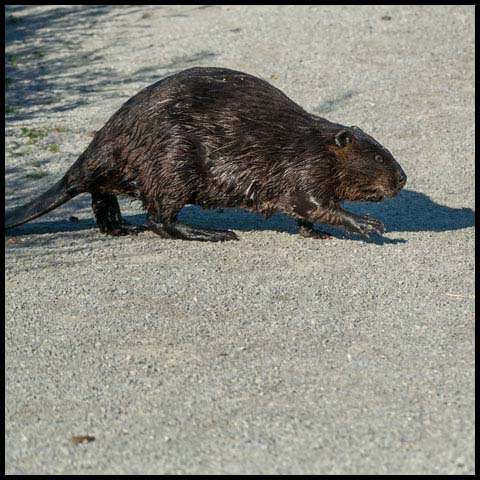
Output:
x=123 y=228
x=183 y=231
x=108 y=217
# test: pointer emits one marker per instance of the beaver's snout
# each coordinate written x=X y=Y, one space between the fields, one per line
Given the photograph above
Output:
x=398 y=182
x=401 y=179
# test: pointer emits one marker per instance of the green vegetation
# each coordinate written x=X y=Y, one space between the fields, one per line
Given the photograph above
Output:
x=34 y=132
x=31 y=138
x=9 y=109
x=12 y=59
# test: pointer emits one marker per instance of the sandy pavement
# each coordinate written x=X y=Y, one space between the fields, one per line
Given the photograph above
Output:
x=275 y=354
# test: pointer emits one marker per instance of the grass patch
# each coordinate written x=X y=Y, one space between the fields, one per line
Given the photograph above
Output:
x=9 y=109
x=34 y=134
x=53 y=147
x=12 y=59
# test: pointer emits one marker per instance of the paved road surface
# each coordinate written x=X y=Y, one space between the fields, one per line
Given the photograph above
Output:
x=275 y=354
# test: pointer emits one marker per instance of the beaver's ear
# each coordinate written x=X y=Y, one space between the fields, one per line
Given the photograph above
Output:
x=343 y=138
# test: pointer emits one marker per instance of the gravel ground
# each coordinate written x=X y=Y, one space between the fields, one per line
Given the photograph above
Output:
x=276 y=354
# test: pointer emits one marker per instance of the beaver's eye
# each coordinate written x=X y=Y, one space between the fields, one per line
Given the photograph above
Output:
x=379 y=158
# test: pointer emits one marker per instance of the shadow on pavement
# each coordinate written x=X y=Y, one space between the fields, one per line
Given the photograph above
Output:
x=34 y=80
x=409 y=212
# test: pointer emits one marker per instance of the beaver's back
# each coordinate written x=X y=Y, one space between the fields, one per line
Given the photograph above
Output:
x=212 y=102
x=227 y=120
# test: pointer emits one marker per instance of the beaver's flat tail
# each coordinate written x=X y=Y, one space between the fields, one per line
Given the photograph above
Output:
x=60 y=193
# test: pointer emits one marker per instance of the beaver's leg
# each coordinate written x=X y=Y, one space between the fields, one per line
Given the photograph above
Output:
x=339 y=217
x=361 y=225
x=106 y=211
x=306 y=230
x=187 y=232
x=175 y=229
x=167 y=226
x=308 y=211
x=181 y=168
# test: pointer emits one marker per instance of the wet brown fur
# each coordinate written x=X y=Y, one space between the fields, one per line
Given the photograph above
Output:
x=220 y=138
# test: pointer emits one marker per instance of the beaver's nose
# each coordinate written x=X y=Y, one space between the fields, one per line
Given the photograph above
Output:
x=401 y=178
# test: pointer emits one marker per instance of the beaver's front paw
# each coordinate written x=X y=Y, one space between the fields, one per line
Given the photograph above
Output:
x=364 y=226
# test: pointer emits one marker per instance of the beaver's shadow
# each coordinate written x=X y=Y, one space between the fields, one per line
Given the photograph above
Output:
x=408 y=212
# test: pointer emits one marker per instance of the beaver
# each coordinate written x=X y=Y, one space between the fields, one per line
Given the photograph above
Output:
x=216 y=137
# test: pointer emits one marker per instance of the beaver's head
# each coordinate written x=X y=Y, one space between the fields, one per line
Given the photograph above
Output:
x=365 y=170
